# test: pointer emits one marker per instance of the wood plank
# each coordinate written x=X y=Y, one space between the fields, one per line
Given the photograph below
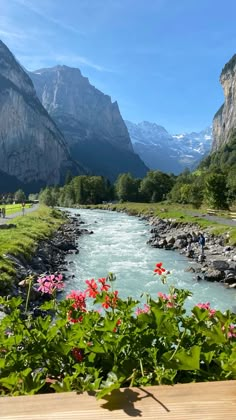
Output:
x=205 y=401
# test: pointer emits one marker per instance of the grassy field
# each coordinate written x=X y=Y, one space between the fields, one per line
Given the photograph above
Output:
x=182 y=214
x=23 y=239
x=13 y=208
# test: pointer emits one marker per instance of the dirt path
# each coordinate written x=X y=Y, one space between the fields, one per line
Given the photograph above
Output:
x=18 y=213
x=217 y=219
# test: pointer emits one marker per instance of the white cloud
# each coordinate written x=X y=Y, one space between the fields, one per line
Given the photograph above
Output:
x=30 y=6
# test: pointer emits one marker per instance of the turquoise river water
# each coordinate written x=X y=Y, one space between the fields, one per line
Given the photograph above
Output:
x=119 y=245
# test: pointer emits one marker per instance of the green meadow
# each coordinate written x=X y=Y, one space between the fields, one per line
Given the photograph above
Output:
x=23 y=239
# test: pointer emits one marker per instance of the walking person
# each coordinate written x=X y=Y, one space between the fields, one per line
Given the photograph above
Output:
x=202 y=242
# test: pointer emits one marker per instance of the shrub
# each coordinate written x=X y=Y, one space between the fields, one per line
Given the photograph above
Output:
x=95 y=340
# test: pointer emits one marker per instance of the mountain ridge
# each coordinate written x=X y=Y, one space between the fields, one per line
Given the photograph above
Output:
x=85 y=115
x=153 y=141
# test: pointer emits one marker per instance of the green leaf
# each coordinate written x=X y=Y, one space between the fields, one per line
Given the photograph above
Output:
x=112 y=382
x=183 y=359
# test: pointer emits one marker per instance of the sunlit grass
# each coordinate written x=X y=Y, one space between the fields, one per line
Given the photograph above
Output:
x=23 y=239
x=13 y=208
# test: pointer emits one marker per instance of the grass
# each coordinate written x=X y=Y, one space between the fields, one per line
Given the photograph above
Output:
x=13 y=208
x=181 y=213
x=23 y=240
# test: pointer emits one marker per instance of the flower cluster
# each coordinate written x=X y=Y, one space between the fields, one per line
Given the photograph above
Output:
x=50 y=284
x=231 y=330
x=78 y=305
x=207 y=307
x=77 y=354
x=110 y=300
x=169 y=300
x=146 y=308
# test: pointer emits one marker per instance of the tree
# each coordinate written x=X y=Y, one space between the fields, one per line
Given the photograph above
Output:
x=19 y=196
x=48 y=197
x=126 y=187
x=155 y=186
x=69 y=177
x=216 y=190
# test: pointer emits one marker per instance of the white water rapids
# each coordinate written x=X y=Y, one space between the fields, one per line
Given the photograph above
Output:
x=119 y=245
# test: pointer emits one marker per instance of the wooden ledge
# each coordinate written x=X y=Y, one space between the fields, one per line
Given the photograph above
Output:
x=201 y=401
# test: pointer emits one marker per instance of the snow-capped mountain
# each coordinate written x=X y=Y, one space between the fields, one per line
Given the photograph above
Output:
x=169 y=153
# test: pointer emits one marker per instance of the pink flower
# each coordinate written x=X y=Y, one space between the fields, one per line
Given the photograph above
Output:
x=232 y=331
x=146 y=308
x=204 y=305
x=50 y=283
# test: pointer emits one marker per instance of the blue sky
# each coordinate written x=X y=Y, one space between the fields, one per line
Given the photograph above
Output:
x=160 y=59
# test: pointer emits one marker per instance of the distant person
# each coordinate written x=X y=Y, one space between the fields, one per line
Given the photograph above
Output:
x=202 y=242
x=3 y=212
x=189 y=249
x=23 y=208
x=0 y=212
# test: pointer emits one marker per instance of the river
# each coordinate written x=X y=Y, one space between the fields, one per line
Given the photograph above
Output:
x=119 y=245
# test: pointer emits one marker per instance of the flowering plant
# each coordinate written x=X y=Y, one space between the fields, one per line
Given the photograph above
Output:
x=119 y=342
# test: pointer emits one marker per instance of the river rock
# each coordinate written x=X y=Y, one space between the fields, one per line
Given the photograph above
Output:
x=213 y=275
x=180 y=243
x=220 y=265
x=170 y=240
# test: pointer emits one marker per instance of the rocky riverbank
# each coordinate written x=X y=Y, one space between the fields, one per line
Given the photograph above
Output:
x=49 y=257
x=219 y=260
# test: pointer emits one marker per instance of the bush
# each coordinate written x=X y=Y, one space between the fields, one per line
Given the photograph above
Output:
x=115 y=342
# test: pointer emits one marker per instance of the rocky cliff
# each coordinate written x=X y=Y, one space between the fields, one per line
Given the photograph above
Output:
x=92 y=124
x=224 y=122
x=32 y=148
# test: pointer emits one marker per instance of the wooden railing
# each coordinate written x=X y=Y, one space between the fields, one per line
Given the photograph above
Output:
x=229 y=214
x=200 y=401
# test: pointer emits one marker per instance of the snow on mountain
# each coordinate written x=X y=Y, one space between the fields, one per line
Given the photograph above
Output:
x=169 y=153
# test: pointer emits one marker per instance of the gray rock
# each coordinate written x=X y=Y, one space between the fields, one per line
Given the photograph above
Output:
x=213 y=275
x=170 y=240
x=220 y=265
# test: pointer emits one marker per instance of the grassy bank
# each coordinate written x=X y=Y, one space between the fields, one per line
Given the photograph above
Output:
x=13 y=208
x=182 y=214
x=23 y=239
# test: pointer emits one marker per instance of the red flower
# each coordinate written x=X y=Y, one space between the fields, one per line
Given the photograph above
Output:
x=104 y=286
x=79 y=300
x=77 y=354
x=92 y=288
x=159 y=269
x=72 y=319
x=110 y=300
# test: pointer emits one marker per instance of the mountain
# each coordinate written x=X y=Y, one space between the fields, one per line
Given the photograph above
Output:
x=224 y=123
x=33 y=151
x=92 y=124
x=160 y=150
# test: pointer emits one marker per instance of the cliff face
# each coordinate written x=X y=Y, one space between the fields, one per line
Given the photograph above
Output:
x=31 y=146
x=225 y=119
x=92 y=124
